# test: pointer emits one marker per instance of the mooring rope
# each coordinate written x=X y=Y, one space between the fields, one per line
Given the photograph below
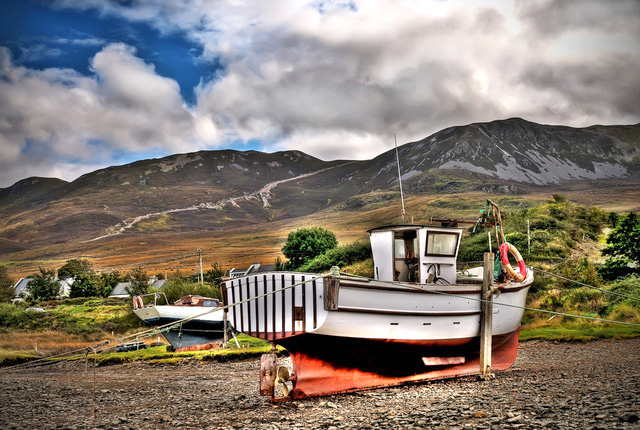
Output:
x=526 y=308
x=69 y=355
x=586 y=285
x=160 y=329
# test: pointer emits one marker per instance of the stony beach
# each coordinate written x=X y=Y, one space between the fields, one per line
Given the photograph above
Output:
x=593 y=385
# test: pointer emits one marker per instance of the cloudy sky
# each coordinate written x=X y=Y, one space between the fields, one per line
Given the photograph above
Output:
x=85 y=84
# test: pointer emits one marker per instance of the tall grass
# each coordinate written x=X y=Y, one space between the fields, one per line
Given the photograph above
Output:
x=48 y=341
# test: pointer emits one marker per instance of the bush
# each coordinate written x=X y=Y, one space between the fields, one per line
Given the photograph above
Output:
x=625 y=312
x=629 y=286
x=473 y=247
x=6 y=285
x=581 y=270
x=180 y=287
x=341 y=256
x=15 y=316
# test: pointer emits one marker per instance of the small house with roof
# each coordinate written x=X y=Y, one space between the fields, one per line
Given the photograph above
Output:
x=120 y=290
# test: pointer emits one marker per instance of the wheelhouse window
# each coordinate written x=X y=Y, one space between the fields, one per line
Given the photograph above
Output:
x=441 y=243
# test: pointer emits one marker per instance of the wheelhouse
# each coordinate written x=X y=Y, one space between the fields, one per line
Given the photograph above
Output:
x=415 y=253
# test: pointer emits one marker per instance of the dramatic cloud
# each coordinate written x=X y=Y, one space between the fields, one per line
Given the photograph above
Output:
x=335 y=79
x=57 y=117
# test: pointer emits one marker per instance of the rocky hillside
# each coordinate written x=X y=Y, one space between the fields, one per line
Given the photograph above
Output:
x=218 y=189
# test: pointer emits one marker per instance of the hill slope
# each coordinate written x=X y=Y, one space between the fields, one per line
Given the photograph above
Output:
x=211 y=190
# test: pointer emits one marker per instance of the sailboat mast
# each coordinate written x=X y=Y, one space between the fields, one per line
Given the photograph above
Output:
x=399 y=176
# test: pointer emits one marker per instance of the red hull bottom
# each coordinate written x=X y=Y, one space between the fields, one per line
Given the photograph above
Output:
x=324 y=365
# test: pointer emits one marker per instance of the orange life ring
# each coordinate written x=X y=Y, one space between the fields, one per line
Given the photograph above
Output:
x=506 y=248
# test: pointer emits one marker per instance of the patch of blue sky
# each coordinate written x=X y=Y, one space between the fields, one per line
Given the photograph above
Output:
x=40 y=37
x=120 y=157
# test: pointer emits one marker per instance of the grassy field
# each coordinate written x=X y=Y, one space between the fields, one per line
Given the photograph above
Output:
x=160 y=250
x=70 y=324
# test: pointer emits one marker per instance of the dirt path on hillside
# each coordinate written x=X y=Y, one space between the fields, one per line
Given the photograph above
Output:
x=263 y=194
x=593 y=385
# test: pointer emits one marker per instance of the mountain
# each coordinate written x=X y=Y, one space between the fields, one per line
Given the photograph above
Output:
x=213 y=190
x=29 y=192
x=520 y=151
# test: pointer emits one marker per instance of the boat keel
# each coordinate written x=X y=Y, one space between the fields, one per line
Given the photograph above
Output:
x=344 y=365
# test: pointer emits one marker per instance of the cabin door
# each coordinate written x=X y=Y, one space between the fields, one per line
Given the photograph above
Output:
x=382 y=248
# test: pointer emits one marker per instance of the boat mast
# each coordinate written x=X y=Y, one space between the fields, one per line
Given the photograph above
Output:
x=399 y=176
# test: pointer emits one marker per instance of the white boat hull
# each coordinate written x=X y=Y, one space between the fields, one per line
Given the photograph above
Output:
x=348 y=334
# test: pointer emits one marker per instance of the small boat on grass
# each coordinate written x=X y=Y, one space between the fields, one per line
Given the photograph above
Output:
x=202 y=332
x=418 y=319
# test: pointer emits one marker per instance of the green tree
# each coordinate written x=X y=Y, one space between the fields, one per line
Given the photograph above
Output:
x=85 y=285
x=139 y=282
x=306 y=243
x=108 y=281
x=6 y=285
x=44 y=286
x=75 y=267
x=213 y=275
x=623 y=249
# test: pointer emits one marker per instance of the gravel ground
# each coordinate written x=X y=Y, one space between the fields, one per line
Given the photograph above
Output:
x=593 y=385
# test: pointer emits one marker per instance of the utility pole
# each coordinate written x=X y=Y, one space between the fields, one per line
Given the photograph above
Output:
x=528 y=241
x=201 y=278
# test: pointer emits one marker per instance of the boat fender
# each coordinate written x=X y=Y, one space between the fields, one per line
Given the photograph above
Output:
x=506 y=248
x=137 y=303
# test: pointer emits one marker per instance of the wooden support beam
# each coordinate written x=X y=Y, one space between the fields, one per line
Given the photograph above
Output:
x=486 y=319
x=225 y=328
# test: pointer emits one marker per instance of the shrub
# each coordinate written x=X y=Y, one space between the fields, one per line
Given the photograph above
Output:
x=179 y=287
x=341 y=256
x=473 y=247
x=625 y=312
x=629 y=286
x=6 y=285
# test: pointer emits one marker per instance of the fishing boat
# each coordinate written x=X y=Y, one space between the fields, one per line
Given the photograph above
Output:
x=196 y=326
x=419 y=318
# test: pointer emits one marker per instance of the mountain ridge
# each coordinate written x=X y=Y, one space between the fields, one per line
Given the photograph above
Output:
x=225 y=188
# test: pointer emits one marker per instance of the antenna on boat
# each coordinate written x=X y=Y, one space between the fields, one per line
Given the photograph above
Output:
x=399 y=176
